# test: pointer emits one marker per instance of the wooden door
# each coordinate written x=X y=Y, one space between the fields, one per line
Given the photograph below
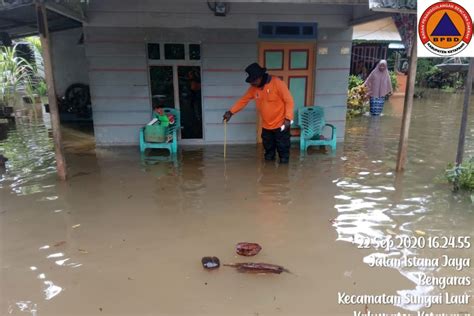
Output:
x=294 y=64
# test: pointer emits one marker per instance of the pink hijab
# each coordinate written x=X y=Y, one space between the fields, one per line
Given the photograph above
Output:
x=379 y=82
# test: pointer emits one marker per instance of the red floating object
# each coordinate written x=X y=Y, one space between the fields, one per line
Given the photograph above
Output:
x=247 y=249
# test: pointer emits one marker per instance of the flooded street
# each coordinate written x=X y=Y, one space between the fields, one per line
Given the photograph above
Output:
x=125 y=236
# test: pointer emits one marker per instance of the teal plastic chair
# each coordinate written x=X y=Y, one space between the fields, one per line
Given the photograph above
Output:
x=171 y=130
x=312 y=124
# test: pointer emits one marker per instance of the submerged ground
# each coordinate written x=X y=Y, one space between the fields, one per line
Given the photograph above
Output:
x=125 y=236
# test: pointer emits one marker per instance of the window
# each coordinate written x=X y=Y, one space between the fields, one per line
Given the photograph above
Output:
x=299 y=59
x=162 y=89
x=153 y=51
x=266 y=30
x=174 y=51
x=308 y=30
x=194 y=51
x=274 y=59
x=298 y=88
x=287 y=30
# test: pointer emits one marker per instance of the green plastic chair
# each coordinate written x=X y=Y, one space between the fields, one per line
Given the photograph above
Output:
x=172 y=130
x=312 y=124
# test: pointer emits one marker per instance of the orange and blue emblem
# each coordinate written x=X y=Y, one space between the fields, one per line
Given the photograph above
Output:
x=445 y=28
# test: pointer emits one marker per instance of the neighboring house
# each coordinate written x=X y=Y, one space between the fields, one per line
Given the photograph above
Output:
x=192 y=55
x=374 y=41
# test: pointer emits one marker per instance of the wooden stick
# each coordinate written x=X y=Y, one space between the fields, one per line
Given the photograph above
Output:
x=465 y=108
x=41 y=14
x=225 y=139
x=410 y=91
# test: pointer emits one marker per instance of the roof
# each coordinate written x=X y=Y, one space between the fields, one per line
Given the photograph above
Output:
x=18 y=18
x=378 y=30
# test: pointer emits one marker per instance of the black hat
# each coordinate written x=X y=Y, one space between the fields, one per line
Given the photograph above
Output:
x=254 y=72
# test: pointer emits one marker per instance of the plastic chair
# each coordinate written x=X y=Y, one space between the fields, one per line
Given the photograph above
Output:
x=170 y=130
x=312 y=124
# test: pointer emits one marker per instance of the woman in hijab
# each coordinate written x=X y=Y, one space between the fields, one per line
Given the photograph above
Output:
x=379 y=85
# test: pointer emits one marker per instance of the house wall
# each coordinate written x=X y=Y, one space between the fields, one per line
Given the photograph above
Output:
x=332 y=73
x=116 y=38
x=70 y=63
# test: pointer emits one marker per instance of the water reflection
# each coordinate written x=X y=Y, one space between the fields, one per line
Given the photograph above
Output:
x=25 y=306
x=51 y=290
x=373 y=203
x=31 y=158
x=274 y=184
x=160 y=214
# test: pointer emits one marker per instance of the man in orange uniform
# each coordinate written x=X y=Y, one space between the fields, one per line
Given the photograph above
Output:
x=275 y=105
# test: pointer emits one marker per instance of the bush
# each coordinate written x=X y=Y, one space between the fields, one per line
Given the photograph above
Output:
x=462 y=177
x=354 y=81
x=430 y=76
x=357 y=101
x=423 y=66
x=41 y=88
x=394 y=80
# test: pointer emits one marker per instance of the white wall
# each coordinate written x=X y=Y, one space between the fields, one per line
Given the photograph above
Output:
x=118 y=69
x=332 y=74
x=70 y=63
x=181 y=14
x=116 y=38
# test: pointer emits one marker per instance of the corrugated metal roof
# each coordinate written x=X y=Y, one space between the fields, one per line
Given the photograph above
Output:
x=379 y=30
x=18 y=19
x=337 y=2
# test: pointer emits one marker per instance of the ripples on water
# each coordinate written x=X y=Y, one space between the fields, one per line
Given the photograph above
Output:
x=375 y=203
x=31 y=158
x=370 y=200
x=30 y=170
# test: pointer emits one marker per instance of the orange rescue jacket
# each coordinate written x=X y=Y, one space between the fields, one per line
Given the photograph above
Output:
x=274 y=103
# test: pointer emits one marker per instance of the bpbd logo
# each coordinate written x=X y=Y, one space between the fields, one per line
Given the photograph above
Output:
x=445 y=28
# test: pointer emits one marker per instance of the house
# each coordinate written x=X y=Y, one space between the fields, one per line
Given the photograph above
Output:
x=376 y=40
x=192 y=55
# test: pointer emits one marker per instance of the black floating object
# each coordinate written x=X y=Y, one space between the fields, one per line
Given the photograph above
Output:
x=210 y=263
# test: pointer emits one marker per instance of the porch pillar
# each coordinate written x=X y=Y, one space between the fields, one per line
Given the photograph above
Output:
x=42 y=19
x=467 y=99
x=410 y=92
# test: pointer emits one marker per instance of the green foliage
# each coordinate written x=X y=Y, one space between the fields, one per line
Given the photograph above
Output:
x=41 y=88
x=462 y=176
x=423 y=65
x=394 y=80
x=35 y=42
x=354 y=81
x=15 y=75
x=430 y=76
x=357 y=101
x=459 y=84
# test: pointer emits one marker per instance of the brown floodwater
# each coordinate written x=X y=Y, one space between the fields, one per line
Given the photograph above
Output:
x=125 y=236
